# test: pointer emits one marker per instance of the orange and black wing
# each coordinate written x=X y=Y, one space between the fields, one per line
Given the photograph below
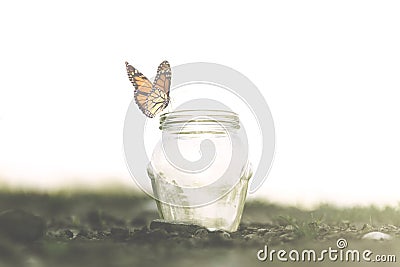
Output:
x=142 y=86
x=163 y=78
x=151 y=99
x=159 y=97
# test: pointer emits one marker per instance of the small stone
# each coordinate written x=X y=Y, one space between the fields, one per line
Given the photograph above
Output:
x=119 y=233
x=225 y=235
x=248 y=230
x=181 y=228
x=262 y=231
x=62 y=234
x=22 y=226
x=201 y=233
x=74 y=232
x=287 y=237
x=249 y=237
x=68 y=234
x=84 y=233
x=289 y=227
x=377 y=236
x=102 y=235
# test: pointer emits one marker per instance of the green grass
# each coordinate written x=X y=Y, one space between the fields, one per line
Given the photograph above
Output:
x=90 y=216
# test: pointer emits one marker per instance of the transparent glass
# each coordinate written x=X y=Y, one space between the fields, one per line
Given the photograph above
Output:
x=196 y=189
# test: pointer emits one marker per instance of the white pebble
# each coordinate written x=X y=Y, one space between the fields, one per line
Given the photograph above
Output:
x=377 y=236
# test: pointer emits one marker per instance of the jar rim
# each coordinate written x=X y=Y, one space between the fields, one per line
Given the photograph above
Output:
x=183 y=111
x=199 y=121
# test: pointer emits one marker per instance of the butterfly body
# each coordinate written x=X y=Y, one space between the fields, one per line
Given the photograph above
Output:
x=151 y=98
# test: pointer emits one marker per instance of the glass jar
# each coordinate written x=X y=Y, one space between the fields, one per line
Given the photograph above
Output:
x=199 y=170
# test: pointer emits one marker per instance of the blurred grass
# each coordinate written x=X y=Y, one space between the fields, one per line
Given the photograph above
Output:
x=119 y=198
x=90 y=216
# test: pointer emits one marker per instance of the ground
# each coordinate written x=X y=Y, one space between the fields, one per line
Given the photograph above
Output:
x=116 y=229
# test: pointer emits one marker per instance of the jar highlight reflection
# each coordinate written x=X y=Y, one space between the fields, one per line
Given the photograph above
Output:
x=200 y=170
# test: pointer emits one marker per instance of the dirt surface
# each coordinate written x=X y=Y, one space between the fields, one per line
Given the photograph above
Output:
x=112 y=229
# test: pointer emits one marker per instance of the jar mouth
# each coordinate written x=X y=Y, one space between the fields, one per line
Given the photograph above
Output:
x=199 y=121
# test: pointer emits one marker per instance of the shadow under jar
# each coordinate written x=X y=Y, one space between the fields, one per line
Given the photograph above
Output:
x=200 y=170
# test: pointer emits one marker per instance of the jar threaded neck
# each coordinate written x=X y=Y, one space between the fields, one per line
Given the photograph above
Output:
x=199 y=122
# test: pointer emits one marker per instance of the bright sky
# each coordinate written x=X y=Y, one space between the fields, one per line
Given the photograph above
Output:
x=328 y=70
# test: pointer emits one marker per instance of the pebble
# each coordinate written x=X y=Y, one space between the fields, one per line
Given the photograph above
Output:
x=377 y=236
x=224 y=235
x=287 y=237
x=201 y=233
x=289 y=227
x=84 y=234
x=262 y=231
x=63 y=234
x=68 y=233
x=249 y=236
x=22 y=226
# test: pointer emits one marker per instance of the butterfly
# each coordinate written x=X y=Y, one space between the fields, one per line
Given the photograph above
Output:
x=151 y=98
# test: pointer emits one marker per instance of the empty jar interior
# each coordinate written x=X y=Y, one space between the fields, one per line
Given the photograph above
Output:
x=199 y=169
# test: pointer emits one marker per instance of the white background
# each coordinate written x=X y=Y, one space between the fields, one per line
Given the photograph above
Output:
x=329 y=70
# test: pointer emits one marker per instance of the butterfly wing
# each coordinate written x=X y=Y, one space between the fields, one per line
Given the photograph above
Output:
x=159 y=97
x=163 y=78
x=143 y=87
x=151 y=98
